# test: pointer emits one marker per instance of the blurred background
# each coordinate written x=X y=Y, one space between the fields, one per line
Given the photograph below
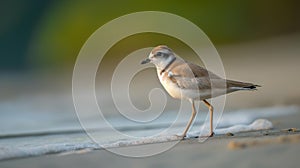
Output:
x=258 y=41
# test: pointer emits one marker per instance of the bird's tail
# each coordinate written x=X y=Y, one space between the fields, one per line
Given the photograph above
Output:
x=236 y=85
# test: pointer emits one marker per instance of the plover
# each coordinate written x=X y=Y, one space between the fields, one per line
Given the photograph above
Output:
x=185 y=80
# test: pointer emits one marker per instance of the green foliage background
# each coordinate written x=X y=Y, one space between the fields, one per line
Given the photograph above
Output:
x=49 y=34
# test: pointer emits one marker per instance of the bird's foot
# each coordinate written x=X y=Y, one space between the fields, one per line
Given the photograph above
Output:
x=211 y=134
x=181 y=137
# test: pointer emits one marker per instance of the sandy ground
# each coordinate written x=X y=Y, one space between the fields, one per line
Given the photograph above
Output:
x=279 y=147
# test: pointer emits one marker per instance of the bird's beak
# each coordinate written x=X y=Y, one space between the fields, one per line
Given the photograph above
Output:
x=147 y=60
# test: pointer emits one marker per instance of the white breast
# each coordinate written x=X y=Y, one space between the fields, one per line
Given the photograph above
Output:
x=173 y=90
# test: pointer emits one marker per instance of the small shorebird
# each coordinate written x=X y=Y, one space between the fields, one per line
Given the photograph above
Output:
x=185 y=80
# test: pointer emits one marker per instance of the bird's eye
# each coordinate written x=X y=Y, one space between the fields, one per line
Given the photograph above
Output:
x=159 y=54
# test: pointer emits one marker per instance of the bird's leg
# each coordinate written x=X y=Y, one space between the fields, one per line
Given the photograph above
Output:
x=191 y=119
x=211 y=110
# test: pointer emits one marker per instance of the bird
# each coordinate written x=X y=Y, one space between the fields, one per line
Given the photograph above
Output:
x=185 y=80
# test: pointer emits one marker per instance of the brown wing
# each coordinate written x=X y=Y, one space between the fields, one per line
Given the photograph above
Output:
x=191 y=76
x=199 y=71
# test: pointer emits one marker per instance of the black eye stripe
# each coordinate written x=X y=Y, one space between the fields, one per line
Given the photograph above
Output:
x=161 y=54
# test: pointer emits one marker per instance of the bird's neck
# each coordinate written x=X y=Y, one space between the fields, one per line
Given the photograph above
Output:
x=163 y=66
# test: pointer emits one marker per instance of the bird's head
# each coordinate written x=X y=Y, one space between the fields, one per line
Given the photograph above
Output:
x=160 y=56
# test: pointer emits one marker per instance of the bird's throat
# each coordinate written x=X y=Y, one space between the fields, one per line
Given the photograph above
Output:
x=168 y=65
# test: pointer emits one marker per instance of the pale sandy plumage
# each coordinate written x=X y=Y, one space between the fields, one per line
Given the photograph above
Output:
x=185 y=80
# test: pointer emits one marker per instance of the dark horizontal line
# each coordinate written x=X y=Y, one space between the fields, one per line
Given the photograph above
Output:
x=76 y=131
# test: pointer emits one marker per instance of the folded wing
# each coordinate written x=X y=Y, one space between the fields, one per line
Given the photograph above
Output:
x=191 y=76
